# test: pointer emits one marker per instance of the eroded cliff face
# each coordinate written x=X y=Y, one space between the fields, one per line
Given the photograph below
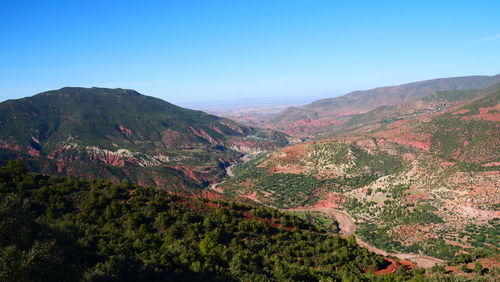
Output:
x=181 y=156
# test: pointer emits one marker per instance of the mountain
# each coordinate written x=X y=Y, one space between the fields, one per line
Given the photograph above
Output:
x=324 y=116
x=120 y=134
x=417 y=177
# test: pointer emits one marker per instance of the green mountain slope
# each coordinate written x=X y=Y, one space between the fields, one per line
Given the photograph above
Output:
x=118 y=133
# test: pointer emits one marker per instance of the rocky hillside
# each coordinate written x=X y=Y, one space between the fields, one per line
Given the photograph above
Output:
x=325 y=116
x=120 y=134
x=423 y=176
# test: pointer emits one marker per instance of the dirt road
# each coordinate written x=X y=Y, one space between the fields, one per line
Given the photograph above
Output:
x=346 y=223
x=229 y=173
x=348 y=227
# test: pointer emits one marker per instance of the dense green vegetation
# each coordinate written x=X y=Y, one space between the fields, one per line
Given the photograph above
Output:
x=318 y=218
x=379 y=164
x=284 y=190
x=484 y=236
x=67 y=229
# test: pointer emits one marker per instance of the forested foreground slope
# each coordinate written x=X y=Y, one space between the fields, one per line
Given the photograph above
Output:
x=57 y=228
x=66 y=229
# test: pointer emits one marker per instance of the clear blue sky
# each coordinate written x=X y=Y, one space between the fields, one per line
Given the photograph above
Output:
x=185 y=51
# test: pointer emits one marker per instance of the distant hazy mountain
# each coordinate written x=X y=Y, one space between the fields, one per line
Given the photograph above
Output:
x=121 y=134
x=322 y=114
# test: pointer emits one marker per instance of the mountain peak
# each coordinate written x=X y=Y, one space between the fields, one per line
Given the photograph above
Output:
x=73 y=90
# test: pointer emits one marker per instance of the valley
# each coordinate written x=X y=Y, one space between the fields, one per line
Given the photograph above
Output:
x=250 y=141
x=416 y=177
x=415 y=182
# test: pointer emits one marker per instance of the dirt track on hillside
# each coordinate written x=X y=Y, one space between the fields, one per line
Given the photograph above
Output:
x=229 y=173
x=348 y=227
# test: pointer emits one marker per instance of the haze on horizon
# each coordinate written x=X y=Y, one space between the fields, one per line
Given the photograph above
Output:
x=192 y=51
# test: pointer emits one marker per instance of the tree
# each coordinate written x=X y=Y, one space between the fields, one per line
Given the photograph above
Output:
x=208 y=245
x=478 y=267
x=351 y=240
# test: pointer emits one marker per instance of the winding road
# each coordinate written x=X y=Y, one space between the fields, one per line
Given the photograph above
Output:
x=348 y=227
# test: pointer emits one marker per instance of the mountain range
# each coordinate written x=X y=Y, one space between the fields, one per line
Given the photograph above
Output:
x=408 y=171
x=322 y=117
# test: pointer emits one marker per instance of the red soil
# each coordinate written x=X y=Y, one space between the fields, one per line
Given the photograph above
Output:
x=211 y=195
x=483 y=111
x=421 y=142
x=307 y=125
x=290 y=169
x=461 y=112
x=62 y=163
x=492 y=164
x=54 y=154
x=331 y=200
x=187 y=171
x=111 y=160
x=285 y=160
x=456 y=153
x=391 y=268
x=489 y=116
x=394 y=266
x=252 y=196
x=5 y=145
x=216 y=129
x=489 y=113
x=415 y=198
x=33 y=152
x=202 y=134
x=447 y=164
x=125 y=130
